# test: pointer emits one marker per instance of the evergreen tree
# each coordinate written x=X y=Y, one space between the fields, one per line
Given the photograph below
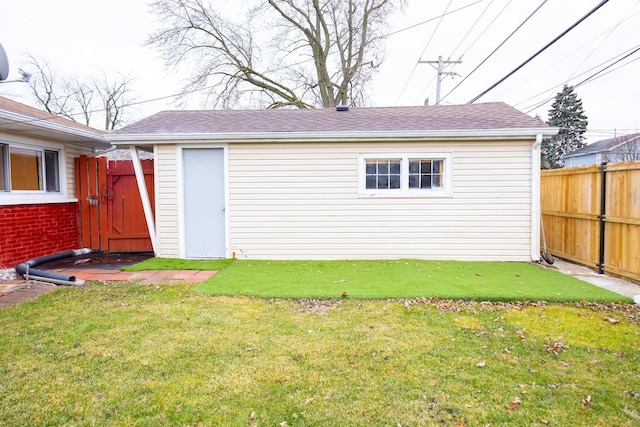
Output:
x=567 y=114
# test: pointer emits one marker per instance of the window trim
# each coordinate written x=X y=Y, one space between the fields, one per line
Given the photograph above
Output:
x=13 y=197
x=404 y=190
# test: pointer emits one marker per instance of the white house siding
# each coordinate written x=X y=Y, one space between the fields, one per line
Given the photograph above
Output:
x=301 y=201
x=167 y=202
x=71 y=151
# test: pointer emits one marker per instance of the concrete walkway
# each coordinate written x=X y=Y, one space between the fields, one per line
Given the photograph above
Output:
x=13 y=292
x=620 y=286
x=147 y=276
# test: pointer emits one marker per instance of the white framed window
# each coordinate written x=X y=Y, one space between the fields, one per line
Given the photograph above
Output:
x=404 y=174
x=30 y=172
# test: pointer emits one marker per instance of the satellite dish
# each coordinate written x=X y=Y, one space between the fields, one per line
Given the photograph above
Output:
x=4 y=64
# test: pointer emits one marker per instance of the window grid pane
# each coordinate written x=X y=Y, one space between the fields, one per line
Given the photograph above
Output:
x=383 y=174
x=425 y=174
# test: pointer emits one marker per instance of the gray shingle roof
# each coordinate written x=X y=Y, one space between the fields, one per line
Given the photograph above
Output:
x=486 y=116
x=603 y=145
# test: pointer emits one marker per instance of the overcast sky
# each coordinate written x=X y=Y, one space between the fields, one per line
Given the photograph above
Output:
x=85 y=37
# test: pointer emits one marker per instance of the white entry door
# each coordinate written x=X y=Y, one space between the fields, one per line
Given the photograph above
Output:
x=204 y=209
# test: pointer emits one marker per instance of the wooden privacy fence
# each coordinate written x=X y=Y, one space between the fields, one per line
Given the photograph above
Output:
x=591 y=215
x=110 y=208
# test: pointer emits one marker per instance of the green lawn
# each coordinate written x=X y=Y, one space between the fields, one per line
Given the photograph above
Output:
x=163 y=355
x=490 y=281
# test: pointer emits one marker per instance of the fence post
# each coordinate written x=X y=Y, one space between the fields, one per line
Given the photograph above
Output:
x=602 y=216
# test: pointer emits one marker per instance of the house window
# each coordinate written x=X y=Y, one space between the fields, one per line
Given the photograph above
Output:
x=383 y=173
x=405 y=175
x=29 y=169
x=426 y=174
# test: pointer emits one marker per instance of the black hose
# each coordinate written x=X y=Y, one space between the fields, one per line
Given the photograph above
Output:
x=26 y=268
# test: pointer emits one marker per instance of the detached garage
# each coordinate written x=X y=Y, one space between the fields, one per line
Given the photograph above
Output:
x=441 y=182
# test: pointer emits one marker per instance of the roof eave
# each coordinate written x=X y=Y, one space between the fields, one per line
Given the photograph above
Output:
x=46 y=128
x=336 y=136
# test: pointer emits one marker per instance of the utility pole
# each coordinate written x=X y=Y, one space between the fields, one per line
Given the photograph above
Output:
x=440 y=69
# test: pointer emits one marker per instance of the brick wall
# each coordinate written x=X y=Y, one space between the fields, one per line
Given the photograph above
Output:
x=29 y=231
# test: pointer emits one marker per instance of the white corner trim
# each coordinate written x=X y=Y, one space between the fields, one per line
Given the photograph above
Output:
x=535 y=199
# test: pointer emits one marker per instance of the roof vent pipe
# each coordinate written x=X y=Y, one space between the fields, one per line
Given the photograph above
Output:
x=342 y=108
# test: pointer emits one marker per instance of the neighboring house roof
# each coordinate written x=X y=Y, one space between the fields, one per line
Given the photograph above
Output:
x=461 y=120
x=20 y=118
x=604 y=145
x=120 y=153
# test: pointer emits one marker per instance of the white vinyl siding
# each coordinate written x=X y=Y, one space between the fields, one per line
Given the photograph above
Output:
x=301 y=201
x=167 y=201
x=71 y=152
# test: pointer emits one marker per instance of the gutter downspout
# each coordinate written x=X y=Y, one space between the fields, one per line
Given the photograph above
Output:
x=144 y=195
x=535 y=199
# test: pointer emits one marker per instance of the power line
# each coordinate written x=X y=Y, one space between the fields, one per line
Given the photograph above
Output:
x=435 y=30
x=557 y=65
x=440 y=69
x=423 y=51
x=432 y=19
x=489 y=25
x=611 y=31
x=496 y=49
x=592 y=77
x=471 y=29
x=531 y=58
x=569 y=79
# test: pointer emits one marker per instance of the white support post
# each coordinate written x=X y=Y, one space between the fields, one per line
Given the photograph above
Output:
x=144 y=195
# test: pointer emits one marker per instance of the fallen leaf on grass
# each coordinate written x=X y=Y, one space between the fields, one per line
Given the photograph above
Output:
x=556 y=347
x=513 y=405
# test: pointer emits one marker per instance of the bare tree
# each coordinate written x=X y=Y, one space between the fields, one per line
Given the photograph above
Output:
x=284 y=53
x=74 y=98
x=623 y=149
x=114 y=96
x=50 y=90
